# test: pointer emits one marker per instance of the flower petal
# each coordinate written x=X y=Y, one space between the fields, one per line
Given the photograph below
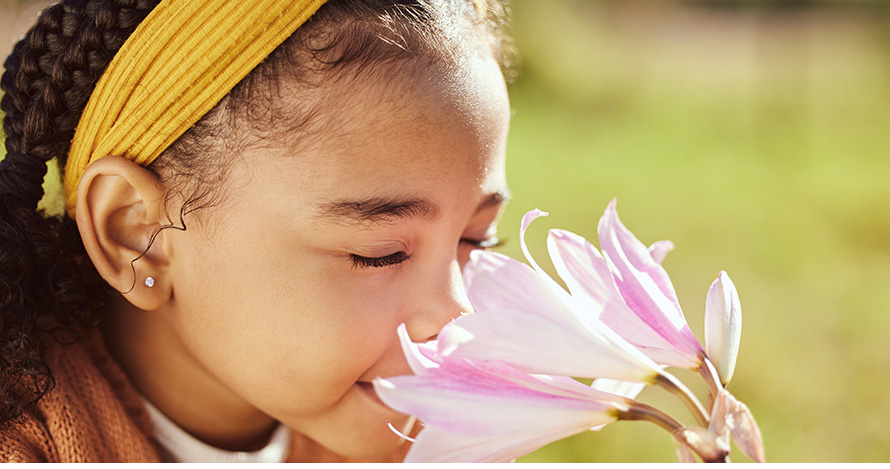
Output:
x=495 y=281
x=660 y=249
x=684 y=454
x=526 y=220
x=627 y=389
x=644 y=284
x=704 y=443
x=437 y=445
x=420 y=364
x=491 y=412
x=481 y=403
x=719 y=414
x=545 y=344
x=588 y=277
x=723 y=326
x=523 y=321
x=744 y=429
x=456 y=368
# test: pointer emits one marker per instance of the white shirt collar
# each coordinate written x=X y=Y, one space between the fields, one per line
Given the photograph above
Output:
x=183 y=447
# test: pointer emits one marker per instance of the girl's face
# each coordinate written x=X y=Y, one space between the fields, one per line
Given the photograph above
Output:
x=286 y=300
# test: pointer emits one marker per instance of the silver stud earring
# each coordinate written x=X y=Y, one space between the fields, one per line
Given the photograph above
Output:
x=149 y=282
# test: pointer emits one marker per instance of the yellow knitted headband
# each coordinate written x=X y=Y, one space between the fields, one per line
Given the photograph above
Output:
x=178 y=63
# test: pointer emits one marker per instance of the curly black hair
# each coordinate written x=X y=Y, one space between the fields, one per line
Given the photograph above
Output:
x=47 y=282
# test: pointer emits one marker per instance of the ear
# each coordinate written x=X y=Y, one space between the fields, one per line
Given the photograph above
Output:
x=119 y=207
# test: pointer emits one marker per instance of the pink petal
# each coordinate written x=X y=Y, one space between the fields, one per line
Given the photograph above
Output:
x=484 y=404
x=436 y=445
x=660 y=249
x=420 y=364
x=491 y=412
x=495 y=281
x=588 y=277
x=456 y=368
x=644 y=284
x=523 y=321
x=544 y=344
x=583 y=268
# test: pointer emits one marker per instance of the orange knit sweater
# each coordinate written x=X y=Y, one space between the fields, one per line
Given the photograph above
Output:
x=94 y=414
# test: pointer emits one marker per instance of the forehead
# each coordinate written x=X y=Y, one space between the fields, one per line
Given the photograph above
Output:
x=434 y=134
x=424 y=127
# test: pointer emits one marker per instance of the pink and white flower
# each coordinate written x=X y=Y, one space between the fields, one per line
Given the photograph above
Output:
x=489 y=411
x=497 y=384
x=523 y=320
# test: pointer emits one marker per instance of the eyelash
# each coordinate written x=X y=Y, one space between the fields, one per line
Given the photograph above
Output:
x=401 y=256
x=487 y=243
x=379 y=262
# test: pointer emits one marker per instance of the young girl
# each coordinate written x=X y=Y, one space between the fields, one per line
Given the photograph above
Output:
x=255 y=202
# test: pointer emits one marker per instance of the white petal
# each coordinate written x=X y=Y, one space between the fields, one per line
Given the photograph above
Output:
x=626 y=389
x=723 y=326
x=703 y=442
x=488 y=405
x=743 y=428
x=684 y=454
x=526 y=220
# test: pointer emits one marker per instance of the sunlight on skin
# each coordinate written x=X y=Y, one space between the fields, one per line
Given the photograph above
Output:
x=283 y=292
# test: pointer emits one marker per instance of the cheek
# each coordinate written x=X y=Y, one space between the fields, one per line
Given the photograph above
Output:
x=302 y=329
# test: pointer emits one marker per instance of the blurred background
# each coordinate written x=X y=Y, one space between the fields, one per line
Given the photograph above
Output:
x=753 y=134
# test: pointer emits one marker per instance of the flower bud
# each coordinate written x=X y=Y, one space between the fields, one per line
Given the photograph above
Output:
x=723 y=326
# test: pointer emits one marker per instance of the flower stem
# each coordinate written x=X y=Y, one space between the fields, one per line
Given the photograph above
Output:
x=642 y=412
x=674 y=386
x=639 y=411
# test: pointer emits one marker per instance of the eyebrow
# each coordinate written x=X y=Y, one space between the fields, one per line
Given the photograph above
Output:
x=384 y=209
x=379 y=209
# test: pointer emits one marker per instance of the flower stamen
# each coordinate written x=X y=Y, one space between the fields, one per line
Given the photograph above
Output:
x=397 y=432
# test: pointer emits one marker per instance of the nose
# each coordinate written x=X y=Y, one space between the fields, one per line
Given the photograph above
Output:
x=440 y=298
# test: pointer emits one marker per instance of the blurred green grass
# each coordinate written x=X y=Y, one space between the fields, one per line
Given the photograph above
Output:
x=757 y=142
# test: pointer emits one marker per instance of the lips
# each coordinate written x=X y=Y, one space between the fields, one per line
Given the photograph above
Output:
x=368 y=389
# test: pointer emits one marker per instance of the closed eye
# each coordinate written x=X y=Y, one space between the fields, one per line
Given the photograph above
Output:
x=401 y=256
x=379 y=262
x=487 y=243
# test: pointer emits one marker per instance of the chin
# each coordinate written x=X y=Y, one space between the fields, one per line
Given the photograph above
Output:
x=357 y=428
x=362 y=442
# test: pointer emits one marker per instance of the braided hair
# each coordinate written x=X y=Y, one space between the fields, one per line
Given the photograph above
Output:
x=43 y=265
x=49 y=289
